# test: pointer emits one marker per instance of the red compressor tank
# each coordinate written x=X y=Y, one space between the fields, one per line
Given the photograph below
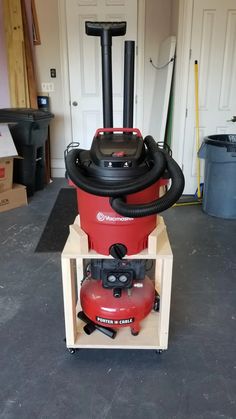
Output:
x=129 y=310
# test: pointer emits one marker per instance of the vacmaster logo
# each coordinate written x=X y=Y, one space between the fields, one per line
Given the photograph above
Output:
x=106 y=217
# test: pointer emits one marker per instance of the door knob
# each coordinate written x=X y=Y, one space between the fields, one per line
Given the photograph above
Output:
x=233 y=119
x=75 y=103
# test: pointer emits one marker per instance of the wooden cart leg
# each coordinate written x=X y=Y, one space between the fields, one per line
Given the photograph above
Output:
x=69 y=297
x=80 y=275
x=165 y=297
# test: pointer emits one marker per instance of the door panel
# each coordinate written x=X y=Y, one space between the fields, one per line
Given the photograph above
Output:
x=213 y=44
x=84 y=58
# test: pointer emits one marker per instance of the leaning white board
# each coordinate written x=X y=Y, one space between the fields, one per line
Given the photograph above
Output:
x=162 y=88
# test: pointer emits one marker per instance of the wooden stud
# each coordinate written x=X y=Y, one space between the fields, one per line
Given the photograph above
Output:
x=80 y=274
x=77 y=220
x=70 y=300
x=29 y=65
x=157 y=238
x=165 y=293
x=22 y=82
x=15 y=52
x=36 y=33
x=80 y=238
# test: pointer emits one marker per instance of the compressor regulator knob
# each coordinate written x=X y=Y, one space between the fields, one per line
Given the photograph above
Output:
x=118 y=251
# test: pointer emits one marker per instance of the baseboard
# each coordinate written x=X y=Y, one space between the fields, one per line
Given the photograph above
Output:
x=58 y=172
x=58 y=168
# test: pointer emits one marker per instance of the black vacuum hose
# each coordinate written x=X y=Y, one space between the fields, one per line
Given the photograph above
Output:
x=78 y=176
x=159 y=205
x=160 y=161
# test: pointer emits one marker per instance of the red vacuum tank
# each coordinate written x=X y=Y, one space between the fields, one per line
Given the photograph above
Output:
x=118 y=184
x=105 y=227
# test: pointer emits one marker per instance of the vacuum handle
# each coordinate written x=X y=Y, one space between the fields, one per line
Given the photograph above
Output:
x=98 y=28
x=127 y=130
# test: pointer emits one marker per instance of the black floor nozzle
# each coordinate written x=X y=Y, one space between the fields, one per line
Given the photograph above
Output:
x=106 y=30
x=90 y=327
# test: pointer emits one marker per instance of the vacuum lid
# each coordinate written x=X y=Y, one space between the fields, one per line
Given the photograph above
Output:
x=116 y=156
x=117 y=150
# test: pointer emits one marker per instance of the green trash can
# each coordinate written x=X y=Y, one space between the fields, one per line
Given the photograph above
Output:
x=219 y=194
x=29 y=130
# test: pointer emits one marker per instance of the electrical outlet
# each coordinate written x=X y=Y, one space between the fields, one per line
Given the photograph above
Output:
x=47 y=87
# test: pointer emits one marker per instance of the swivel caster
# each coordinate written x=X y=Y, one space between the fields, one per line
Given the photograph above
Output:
x=71 y=350
x=159 y=351
x=156 y=306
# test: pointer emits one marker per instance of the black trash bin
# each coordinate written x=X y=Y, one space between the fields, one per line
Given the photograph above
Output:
x=29 y=130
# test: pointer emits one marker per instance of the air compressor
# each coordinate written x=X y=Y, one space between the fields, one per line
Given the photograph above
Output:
x=117 y=183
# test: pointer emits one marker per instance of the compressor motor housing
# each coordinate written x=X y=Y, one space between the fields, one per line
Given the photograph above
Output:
x=118 y=273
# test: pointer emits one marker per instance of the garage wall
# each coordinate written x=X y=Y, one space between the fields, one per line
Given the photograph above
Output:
x=174 y=17
x=158 y=23
x=47 y=56
x=157 y=28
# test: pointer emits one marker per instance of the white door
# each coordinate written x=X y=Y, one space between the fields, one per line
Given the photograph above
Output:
x=213 y=44
x=84 y=57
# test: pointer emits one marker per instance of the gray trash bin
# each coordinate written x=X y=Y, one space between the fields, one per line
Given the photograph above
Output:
x=219 y=196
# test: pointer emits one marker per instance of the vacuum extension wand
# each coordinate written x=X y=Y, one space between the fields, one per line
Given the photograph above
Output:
x=106 y=30
x=128 y=110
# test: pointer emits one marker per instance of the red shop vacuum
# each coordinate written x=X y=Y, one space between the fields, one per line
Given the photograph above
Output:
x=117 y=183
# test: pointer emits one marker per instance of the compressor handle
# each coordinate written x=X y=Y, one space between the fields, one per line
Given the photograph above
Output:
x=126 y=130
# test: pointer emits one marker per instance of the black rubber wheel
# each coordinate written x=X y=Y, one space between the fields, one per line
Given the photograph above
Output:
x=71 y=350
x=159 y=351
x=156 y=306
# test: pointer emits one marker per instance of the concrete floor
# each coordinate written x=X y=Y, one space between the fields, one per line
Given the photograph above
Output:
x=195 y=378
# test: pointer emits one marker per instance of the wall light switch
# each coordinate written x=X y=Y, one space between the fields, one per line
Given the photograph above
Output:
x=53 y=72
x=47 y=87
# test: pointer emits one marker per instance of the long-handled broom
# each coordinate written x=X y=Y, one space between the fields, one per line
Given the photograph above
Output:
x=197 y=198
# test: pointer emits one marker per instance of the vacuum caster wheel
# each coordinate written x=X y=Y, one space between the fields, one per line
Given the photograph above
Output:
x=159 y=351
x=156 y=306
x=71 y=350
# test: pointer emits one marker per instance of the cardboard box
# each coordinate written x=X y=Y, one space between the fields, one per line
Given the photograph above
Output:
x=13 y=198
x=7 y=153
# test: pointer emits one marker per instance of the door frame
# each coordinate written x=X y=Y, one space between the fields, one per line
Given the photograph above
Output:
x=65 y=67
x=184 y=36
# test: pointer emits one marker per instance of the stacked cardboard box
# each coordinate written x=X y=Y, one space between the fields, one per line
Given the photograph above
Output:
x=11 y=195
